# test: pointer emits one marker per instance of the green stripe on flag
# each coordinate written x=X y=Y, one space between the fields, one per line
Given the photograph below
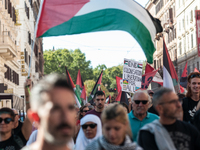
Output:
x=105 y=20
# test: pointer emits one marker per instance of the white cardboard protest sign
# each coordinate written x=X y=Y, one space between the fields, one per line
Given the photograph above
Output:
x=132 y=75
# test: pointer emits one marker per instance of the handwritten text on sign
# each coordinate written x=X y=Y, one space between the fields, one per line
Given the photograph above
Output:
x=132 y=75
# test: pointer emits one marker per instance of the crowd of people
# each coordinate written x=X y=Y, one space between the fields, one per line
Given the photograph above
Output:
x=151 y=120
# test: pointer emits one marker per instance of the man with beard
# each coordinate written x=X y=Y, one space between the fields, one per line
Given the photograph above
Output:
x=140 y=116
x=168 y=132
x=99 y=99
x=192 y=96
x=53 y=109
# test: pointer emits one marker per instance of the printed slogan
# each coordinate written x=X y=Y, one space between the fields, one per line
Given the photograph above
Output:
x=132 y=75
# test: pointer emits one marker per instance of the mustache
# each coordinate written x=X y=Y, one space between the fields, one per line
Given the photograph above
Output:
x=64 y=125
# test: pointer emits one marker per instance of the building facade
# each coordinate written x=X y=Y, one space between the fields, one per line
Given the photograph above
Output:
x=186 y=33
x=17 y=24
x=165 y=11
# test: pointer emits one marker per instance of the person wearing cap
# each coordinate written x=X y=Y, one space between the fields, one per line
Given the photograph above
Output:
x=151 y=107
x=192 y=96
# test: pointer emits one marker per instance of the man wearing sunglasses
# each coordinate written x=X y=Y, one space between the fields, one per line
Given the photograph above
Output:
x=7 y=139
x=168 y=132
x=52 y=108
x=140 y=116
x=192 y=96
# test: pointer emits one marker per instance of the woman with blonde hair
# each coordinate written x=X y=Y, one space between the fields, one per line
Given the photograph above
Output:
x=116 y=131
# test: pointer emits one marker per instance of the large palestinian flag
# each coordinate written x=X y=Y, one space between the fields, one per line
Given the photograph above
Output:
x=67 y=17
x=96 y=87
x=183 y=80
x=170 y=78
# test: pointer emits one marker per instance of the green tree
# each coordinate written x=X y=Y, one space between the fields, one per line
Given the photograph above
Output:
x=55 y=61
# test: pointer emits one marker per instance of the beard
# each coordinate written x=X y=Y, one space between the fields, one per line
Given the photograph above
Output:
x=53 y=137
x=171 y=114
x=100 y=106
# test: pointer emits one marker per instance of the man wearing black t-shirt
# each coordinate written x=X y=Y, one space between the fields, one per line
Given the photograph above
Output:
x=192 y=97
x=168 y=133
x=7 y=140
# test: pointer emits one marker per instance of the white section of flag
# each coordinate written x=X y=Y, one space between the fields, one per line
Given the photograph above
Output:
x=167 y=79
x=129 y=6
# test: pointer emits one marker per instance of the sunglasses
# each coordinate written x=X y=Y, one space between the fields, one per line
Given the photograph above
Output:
x=195 y=75
x=92 y=126
x=6 y=120
x=139 y=101
x=85 y=111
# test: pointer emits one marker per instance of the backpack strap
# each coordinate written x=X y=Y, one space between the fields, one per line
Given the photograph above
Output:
x=19 y=141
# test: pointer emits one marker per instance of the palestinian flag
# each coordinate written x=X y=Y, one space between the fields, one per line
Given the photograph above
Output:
x=157 y=78
x=96 y=87
x=70 y=81
x=79 y=88
x=183 y=80
x=140 y=65
x=118 y=80
x=108 y=99
x=122 y=96
x=61 y=17
x=125 y=62
x=170 y=78
x=183 y=90
x=196 y=70
x=147 y=78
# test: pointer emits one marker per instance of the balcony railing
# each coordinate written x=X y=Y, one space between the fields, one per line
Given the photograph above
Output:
x=8 y=47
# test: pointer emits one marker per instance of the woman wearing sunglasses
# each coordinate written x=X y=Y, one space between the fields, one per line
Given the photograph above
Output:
x=91 y=129
x=116 y=131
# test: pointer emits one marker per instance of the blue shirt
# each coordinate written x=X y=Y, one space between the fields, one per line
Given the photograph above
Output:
x=136 y=124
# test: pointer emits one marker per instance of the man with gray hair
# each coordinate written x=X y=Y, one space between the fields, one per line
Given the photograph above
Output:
x=52 y=108
x=140 y=116
x=168 y=132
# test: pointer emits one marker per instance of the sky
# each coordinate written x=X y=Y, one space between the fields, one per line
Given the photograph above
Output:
x=109 y=48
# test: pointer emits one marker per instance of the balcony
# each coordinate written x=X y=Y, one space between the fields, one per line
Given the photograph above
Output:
x=7 y=47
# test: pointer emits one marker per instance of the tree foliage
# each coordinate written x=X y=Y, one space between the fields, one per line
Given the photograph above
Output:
x=55 y=61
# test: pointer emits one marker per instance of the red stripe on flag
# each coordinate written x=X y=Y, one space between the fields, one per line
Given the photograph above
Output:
x=56 y=12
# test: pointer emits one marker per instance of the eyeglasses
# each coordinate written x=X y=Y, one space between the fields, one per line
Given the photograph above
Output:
x=6 y=120
x=195 y=75
x=172 y=102
x=85 y=111
x=92 y=126
x=139 y=101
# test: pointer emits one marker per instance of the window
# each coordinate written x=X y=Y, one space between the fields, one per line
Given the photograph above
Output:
x=183 y=23
x=188 y=43
x=195 y=12
x=193 y=66
x=198 y=65
x=184 y=45
x=188 y=69
x=26 y=10
x=191 y=16
x=159 y=6
x=180 y=48
x=192 y=41
x=179 y=25
x=187 y=20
